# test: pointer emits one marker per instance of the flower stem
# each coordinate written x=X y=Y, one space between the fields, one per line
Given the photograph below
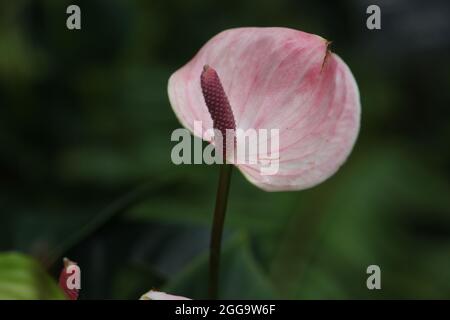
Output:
x=217 y=229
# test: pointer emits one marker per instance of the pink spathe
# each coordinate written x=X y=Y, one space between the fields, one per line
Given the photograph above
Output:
x=278 y=78
x=159 y=295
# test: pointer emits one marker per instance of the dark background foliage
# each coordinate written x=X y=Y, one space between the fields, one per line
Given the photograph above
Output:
x=85 y=119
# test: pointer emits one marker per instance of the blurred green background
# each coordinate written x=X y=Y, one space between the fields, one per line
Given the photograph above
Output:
x=85 y=120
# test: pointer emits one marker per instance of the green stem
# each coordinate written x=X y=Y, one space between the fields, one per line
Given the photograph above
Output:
x=217 y=229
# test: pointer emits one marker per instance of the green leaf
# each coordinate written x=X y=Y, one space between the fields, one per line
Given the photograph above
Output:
x=378 y=212
x=23 y=278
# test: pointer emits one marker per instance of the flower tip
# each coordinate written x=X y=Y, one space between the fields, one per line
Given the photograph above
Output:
x=208 y=73
x=327 y=52
x=67 y=262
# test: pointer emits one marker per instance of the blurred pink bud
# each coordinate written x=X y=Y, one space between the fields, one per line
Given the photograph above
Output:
x=275 y=78
x=70 y=292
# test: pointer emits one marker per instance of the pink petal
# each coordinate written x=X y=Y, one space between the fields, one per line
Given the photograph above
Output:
x=278 y=78
x=158 y=295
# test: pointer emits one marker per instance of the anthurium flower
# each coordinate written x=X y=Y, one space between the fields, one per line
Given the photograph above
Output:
x=158 y=295
x=274 y=78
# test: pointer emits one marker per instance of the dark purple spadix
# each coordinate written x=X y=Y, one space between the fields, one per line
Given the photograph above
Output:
x=216 y=100
x=218 y=106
